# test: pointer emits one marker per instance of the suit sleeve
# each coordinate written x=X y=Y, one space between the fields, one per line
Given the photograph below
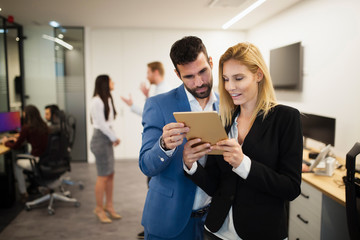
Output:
x=284 y=180
x=153 y=159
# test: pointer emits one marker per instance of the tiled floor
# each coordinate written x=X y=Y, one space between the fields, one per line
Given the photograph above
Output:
x=70 y=222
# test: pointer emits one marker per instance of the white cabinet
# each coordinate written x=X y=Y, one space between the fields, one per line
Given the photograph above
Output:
x=305 y=214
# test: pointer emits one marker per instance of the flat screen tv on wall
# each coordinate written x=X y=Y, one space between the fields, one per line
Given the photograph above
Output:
x=286 y=67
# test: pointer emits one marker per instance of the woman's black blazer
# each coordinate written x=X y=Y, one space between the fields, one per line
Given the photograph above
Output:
x=275 y=147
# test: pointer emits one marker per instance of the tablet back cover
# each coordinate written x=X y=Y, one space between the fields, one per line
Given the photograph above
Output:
x=204 y=125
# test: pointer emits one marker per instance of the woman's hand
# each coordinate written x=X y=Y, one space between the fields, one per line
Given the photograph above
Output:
x=233 y=153
x=7 y=139
x=193 y=153
x=117 y=142
x=12 y=139
x=4 y=139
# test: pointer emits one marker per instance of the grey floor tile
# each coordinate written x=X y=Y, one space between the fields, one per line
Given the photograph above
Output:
x=70 y=222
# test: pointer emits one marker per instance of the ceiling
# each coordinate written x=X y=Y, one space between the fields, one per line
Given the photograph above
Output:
x=169 y=14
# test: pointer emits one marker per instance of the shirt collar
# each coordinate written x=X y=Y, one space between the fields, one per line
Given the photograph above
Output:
x=193 y=102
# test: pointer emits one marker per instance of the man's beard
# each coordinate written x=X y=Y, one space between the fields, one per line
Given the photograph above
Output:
x=201 y=95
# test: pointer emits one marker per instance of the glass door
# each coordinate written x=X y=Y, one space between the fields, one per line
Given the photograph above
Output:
x=4 y=103
x=11 y=66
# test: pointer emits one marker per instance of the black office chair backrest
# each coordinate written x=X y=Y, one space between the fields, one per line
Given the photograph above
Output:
x=56 y=159
x=71 y=123
x=352 y=185
x=67 y=126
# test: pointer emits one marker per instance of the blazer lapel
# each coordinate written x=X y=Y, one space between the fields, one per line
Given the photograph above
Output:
x=256 y=132
x=182 y=100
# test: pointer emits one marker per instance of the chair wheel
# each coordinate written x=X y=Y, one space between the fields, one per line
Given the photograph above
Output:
x=77 y=204
x=51 y=211
x=27 y=208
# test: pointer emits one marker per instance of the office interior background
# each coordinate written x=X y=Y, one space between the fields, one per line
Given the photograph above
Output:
x=123 y=36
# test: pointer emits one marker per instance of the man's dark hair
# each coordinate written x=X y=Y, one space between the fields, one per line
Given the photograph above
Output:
x=186 y=50
x=54 y=110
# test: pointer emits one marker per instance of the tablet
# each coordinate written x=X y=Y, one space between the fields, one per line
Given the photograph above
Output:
x=204 y=125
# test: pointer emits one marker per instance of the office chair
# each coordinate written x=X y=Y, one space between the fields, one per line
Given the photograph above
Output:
x=68 y=127
x=48 y=170
x=71 y=129
x=352 y=186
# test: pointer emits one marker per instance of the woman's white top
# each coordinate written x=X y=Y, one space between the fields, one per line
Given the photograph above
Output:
x=97 y=110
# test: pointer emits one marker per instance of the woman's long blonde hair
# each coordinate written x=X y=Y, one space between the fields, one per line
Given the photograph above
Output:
x=250 y=56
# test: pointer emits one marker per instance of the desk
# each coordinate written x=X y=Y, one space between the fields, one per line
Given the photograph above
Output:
x=319 y=212
x=7 y=186
x=333 y=186
x=3 y=149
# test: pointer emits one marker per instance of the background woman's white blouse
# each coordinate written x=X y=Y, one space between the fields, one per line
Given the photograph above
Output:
x=97 y=110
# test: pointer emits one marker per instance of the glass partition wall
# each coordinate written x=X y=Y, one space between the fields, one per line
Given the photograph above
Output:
x=70 y=82
x=11 y=66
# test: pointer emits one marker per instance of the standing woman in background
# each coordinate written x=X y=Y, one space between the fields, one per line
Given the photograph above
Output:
x=102 y=115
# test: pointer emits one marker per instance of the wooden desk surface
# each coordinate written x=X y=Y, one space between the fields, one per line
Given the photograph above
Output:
x=3 y=149
x=333 y=186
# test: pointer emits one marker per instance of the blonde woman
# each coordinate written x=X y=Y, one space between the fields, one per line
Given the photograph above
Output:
x=260 y=169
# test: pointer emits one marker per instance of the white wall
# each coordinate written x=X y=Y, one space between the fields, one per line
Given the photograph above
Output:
x=123 y=54
x=330 y=34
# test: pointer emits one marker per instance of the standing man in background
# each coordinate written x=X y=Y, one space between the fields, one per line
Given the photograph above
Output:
x=155 y=76
x=175 y=208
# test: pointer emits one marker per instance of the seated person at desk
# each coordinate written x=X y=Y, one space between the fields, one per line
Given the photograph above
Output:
x=35 y=132
x=52 y=116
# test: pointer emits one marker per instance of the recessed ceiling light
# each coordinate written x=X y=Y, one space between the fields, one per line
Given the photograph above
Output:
x=58 y=41
x=54 y=24
x=243 y=14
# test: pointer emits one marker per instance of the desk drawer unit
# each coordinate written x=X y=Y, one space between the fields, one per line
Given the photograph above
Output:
x=305 y=214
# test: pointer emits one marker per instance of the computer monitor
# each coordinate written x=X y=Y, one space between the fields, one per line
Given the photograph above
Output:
x=318 y=128
x=10 y=122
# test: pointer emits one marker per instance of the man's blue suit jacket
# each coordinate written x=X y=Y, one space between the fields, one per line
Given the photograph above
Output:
x=170 y=197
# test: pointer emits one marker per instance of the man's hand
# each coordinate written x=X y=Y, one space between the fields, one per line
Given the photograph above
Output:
x=128 y=101
x=193 y=152
x=174 y=134
x=233 y=153
x=145 y=90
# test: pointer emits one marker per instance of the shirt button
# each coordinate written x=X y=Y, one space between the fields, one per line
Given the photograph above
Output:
x=162 y=159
